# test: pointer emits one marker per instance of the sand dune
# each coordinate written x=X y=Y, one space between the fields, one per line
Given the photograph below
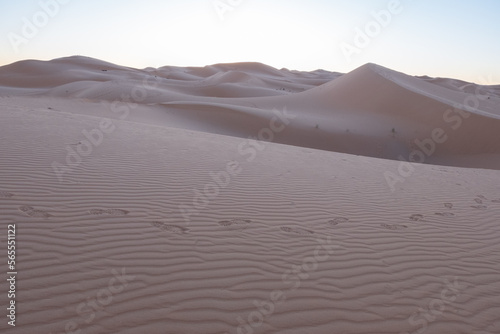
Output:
x=141 y=205
x=398 y=110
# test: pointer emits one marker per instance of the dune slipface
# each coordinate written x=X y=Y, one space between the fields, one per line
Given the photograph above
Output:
x=238 y=198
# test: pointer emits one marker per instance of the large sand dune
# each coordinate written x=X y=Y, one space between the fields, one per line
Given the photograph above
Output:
x=372 y=111
x=141 y=204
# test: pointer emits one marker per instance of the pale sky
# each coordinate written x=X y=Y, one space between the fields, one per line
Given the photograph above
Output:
x=446 y=38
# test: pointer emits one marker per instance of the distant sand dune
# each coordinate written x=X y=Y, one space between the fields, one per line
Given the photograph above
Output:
x=372 y=111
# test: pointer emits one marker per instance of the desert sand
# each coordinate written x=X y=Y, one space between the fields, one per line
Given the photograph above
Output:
x=239 y=198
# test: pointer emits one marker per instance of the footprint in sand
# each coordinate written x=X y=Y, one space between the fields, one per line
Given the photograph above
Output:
x=117 y=212
x=416 y=217
x=482 y=197
x=296 y=230
x=479 y=207
x=448 y=205
x=4 y=194
x=111 y=212
x=478 y=200
x=445 y=214
x=170 y=228
x=235 y=224
x=495 y=201
x=337 y=220
x=32 y=212
x=394 y=227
